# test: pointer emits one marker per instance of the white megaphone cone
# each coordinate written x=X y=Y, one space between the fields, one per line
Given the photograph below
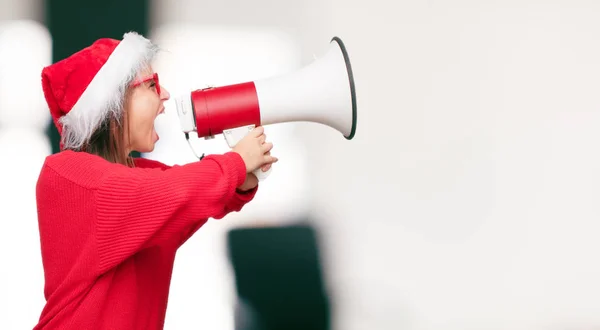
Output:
x=322 y=92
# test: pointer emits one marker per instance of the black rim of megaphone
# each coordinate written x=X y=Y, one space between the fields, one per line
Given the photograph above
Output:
x=352 y=88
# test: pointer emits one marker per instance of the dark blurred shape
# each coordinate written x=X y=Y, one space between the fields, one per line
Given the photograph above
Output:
x=75 y=24
x=278 y=279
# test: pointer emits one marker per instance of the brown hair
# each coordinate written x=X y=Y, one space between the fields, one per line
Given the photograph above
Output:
x=109 y=141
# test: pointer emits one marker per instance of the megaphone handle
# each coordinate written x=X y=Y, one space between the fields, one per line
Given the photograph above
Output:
x=234 y=135
x=260 y=174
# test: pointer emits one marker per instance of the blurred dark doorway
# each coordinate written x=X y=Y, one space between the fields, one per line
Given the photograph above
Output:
x=278 y=279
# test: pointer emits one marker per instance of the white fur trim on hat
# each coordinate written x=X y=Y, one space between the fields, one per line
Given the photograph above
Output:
x=105 y=94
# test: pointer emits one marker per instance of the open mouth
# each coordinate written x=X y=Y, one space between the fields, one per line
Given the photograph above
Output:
x=155 y=136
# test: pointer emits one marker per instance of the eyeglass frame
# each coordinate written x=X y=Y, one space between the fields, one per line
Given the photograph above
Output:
x=154 y=77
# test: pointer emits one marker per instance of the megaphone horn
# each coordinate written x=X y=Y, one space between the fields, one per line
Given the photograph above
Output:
x=321 y=92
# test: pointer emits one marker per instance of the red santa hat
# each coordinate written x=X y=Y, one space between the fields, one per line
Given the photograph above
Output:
x=88 y=86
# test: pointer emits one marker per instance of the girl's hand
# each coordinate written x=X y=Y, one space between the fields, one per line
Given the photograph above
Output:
x=254 y=150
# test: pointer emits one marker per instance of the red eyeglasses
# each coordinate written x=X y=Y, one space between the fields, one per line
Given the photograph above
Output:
x=153 y=77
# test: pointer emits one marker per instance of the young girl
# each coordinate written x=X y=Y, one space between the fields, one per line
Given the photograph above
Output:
x=110 y=225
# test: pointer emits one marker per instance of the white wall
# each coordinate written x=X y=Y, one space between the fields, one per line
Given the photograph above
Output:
x=25 y=48
x=469 y=198
x=21 y=9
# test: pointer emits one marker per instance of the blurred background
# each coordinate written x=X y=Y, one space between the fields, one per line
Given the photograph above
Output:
x=467 y=200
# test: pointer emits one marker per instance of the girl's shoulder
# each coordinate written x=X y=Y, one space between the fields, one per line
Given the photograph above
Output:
x=81 y=168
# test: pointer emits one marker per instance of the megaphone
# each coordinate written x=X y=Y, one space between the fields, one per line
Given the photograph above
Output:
x=322 y=92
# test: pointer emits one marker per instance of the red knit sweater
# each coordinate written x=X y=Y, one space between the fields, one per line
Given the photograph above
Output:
x=109 y=233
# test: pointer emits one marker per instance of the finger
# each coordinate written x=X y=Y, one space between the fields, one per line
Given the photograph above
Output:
x=266 y=147
x=257 y=131
x=262 y=139
x=266 y=167
x=270 y=160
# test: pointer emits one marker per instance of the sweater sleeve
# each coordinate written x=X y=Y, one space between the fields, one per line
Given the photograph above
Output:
x=138 y=208
x=235 y=204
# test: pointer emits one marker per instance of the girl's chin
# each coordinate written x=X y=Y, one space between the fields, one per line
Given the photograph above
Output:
x=149 y=147
x=146 y=150
x=151 y=144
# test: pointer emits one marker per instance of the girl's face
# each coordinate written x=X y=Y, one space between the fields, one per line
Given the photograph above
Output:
x=143 y=105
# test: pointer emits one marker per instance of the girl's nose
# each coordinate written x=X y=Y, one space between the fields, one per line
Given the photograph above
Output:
x=164 y=93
